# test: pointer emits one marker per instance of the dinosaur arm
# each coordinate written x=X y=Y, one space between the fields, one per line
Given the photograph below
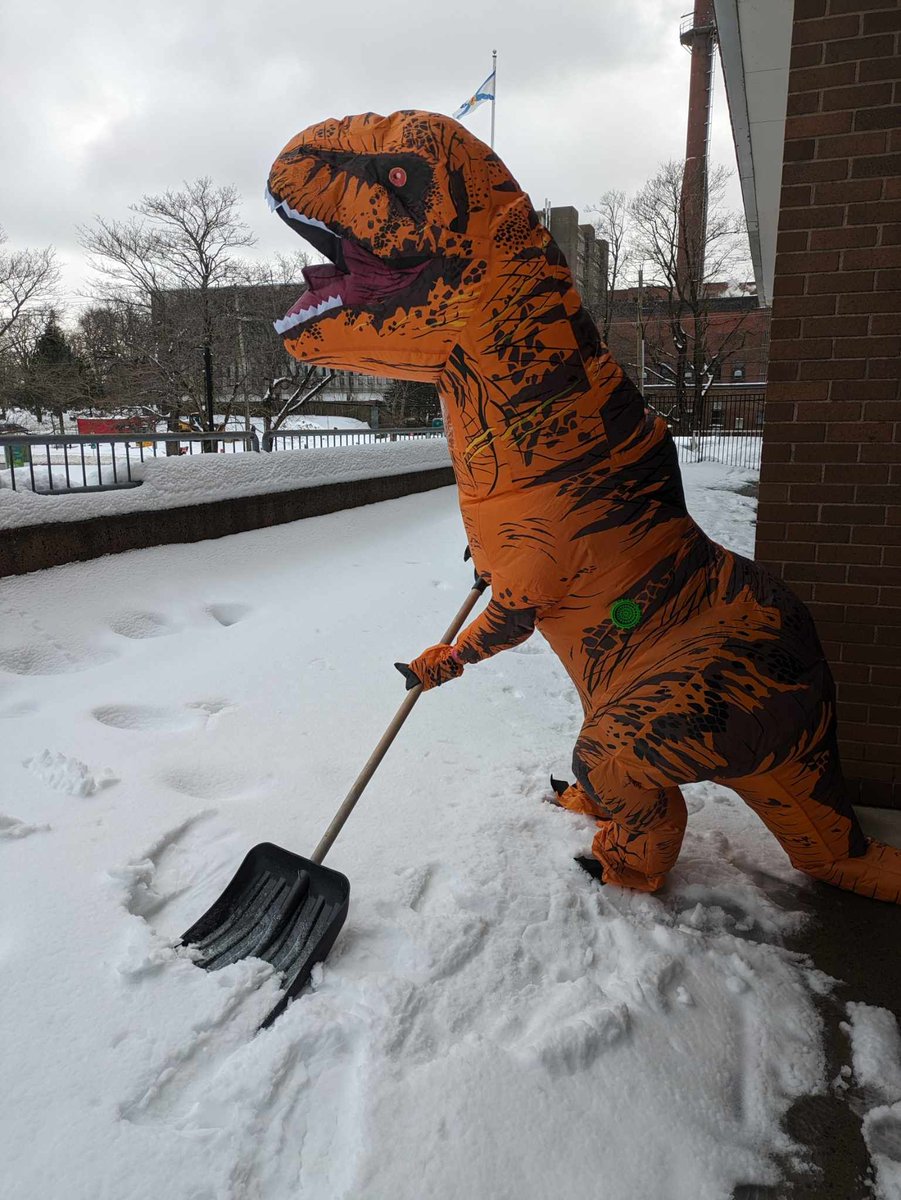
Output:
x=496 y=628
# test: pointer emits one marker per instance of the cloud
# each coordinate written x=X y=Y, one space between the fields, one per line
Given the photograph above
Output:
x=105 y=103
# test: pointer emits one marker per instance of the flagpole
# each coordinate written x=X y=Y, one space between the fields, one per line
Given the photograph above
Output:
x=493 y=92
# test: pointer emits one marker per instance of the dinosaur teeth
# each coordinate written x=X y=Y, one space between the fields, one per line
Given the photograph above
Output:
x=306 y=314
x=275 y=204
x=298 y=216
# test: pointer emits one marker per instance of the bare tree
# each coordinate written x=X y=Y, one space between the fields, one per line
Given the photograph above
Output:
x=612 y=223
x=410 y=401
x=28 y=280
x=111 y=340
x=685 y=257
x=169 y=264
x=279 y=384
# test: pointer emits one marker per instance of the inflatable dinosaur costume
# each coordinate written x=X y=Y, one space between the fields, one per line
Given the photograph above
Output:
x=691 y=662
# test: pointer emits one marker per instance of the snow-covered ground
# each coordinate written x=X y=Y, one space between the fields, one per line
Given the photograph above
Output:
x=490 y=1023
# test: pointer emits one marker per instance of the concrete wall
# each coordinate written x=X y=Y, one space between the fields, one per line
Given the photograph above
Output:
x=35 y=547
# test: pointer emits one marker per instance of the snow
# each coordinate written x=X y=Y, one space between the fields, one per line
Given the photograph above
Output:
x=318 y=421
x=65 y=774
x=876 y=1059
x=490 y=1022
x=171 y=482
x=236 y=422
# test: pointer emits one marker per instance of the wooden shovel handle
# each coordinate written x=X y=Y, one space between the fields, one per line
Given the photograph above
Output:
x=391 y=733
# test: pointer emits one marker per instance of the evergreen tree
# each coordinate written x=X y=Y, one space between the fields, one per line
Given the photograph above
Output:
x=53 y=378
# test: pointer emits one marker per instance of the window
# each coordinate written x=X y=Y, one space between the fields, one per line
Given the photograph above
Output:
x=738 y=372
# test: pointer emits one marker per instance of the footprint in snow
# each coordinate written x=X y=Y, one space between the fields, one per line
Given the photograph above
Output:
x=228 y=614
x=210 y=781
x=147 y=718
x=44 y=655
x=140 y=625
x=12 y=828
x=46 y=658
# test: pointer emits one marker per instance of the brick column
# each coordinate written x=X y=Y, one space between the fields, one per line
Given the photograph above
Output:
x=830 y=494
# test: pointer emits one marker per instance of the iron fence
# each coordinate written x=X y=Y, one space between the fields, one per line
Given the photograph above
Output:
x=725 y=426
x=58 y=464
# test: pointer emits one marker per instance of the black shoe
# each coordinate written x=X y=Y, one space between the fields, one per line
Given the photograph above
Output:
x=590 y=864
x=559 y=787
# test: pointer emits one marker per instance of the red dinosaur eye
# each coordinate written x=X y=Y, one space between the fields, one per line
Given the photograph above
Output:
x=397 y=176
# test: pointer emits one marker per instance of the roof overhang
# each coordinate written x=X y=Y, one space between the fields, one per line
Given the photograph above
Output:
x=755 y=39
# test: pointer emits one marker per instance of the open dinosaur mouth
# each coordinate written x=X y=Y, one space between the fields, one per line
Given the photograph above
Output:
x=353 y=278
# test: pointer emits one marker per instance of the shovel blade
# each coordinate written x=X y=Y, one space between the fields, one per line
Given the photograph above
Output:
x=279 y=907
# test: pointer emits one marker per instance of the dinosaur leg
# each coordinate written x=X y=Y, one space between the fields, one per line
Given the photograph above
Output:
x=640 y=835
x=575 y=799
x=804 y=803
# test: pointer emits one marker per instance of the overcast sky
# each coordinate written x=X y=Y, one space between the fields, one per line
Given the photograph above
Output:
x=104 y=101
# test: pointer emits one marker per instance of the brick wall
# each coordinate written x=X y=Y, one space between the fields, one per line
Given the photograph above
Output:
x=830 y=502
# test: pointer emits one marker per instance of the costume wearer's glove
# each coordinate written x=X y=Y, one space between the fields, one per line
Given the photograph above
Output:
x=433 y=667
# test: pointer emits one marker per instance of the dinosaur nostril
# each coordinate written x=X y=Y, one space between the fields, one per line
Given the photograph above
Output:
x=397 y=176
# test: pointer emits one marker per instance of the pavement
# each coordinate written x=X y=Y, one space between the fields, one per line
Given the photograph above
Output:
x=857 y=942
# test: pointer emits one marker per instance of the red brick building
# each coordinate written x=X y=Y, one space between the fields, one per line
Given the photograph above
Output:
x=830 y=494
x=738 y=330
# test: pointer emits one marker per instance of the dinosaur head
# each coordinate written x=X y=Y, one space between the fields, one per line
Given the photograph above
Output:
x=409 y=210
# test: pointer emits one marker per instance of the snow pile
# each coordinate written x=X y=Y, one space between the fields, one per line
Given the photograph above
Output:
x=323 y=421
x=171 y=482
x=876 y=1055
x=490 y=1022
x=65 y=774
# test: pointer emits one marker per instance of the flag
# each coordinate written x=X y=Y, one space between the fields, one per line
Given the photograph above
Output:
x=485 y=92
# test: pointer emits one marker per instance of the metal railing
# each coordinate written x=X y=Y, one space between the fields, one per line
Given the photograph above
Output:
x=303 y=439
x=726 y=426
x=728 y=429
x=57 y=463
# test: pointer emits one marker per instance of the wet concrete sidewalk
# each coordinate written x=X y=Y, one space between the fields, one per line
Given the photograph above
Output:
x=857 y=942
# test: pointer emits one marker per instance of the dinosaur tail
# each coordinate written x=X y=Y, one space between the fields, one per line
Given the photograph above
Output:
x=877 y=873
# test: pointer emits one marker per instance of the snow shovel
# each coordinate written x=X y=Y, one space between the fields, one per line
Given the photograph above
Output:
x=286 y=909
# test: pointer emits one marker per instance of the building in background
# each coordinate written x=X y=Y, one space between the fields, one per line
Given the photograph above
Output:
x=737 y=333
x=813 y=97
x=584 y=251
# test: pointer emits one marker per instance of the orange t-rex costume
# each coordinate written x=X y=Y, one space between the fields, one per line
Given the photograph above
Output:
x=691 y=662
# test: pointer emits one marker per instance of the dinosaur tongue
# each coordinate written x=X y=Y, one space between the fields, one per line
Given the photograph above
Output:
x=370 y=278
x=366 y=280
